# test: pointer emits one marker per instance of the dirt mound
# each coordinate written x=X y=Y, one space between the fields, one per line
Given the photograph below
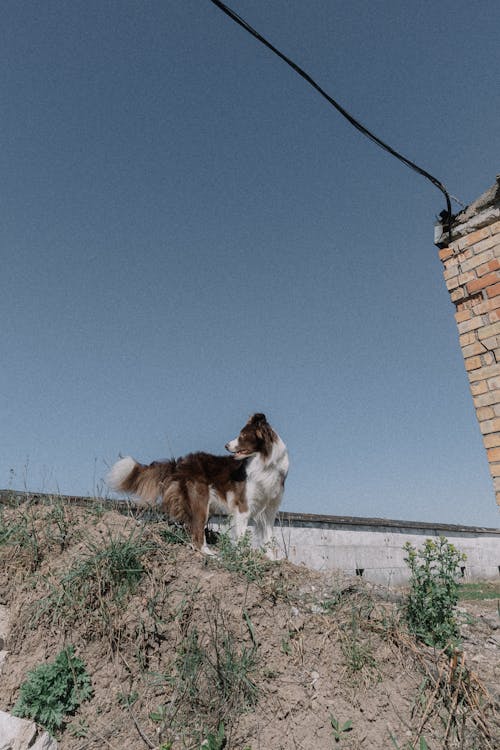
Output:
x=184 y=650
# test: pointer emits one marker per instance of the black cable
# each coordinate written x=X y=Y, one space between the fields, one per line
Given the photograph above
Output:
x=446 y=215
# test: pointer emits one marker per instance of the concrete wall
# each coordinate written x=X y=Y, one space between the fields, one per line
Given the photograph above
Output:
x=373 y=548
x=471 y=259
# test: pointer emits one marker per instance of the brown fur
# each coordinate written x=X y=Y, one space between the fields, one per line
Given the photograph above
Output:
x=182 y=485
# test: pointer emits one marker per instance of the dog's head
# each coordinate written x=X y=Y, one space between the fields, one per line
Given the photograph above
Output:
x=255 y=437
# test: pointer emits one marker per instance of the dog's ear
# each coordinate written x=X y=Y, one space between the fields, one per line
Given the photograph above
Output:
x=257 y=419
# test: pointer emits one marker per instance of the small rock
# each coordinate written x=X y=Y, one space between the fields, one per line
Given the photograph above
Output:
x=20 y=734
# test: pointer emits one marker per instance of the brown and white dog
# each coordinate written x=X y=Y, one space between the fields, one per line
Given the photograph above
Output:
x=248 y=484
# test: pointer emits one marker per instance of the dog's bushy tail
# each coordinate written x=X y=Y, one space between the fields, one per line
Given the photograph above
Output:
x=146 y=483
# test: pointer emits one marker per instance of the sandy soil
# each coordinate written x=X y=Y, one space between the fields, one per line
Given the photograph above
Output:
x=280 y=659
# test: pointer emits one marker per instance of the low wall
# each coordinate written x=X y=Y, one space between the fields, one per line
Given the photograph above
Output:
x=373 y=547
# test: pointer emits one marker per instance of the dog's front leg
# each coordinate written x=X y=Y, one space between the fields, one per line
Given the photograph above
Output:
x=240 y=523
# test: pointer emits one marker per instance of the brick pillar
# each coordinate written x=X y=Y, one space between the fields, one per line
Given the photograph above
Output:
x=471 y=260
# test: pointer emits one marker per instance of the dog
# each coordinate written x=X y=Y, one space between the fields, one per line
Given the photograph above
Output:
x=248 y=484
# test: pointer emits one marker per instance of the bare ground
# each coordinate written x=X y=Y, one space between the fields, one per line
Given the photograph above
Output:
x=281 y=656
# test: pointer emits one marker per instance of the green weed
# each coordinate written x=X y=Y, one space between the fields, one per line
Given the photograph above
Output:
x=59 y=530
x=338 y=729
x=286 y=646
x=422 y=744
x=240 y=557
x=53 y=691
x=215 y=740
x=429 y=607
x=22 y=537
x=174 y=534
x=357 y=653
x=79 y=728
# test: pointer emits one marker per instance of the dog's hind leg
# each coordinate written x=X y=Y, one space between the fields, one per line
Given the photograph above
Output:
x=198 y=505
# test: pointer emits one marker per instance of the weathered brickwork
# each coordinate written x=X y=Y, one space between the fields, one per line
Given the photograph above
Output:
x=471 y=265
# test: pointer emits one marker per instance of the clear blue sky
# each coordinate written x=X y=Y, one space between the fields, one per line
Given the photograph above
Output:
x=190 y=233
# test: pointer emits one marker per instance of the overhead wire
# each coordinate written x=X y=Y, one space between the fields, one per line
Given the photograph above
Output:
x=446 y=216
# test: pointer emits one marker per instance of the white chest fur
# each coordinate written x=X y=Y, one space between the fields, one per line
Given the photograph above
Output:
x=266 y=479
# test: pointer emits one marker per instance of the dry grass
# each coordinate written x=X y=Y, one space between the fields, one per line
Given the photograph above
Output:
x=179 y=646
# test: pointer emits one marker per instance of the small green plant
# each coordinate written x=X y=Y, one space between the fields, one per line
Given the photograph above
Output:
x=55 y=690
x=127 y=699
x=429 y=607
x=286 y=646
x=215 y=740
x=60 y=527
x=174 y=534
x=357 y=653
x=22 y=535
x=79 y=728
x=338 y=729
x=240 y=557
x=159 y=716
x=422 y=744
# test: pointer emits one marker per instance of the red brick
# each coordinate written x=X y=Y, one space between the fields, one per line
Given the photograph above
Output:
x=487 y=399
x=472 y=350
x=463 y=315
x=477 y=260
x=494 y=454
x=492 y=265
x=471 y=303
x=493 y=383
x=495 y=228
x=495 y=470
x=491 y=441
x=485 y=412
x=477 y=388
x=472 y=363
x=451 y=272
x=445 y=253
x=488 y=331
x=485 y=244
x=491 y=343
x=490 y=425
x=467 y=338
x=484 y=373
x=493 y=291
x=488 y=280
x=488 y=358
x=476 y=236
x=457 y=294
x=470 y=325
x=487 y=305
